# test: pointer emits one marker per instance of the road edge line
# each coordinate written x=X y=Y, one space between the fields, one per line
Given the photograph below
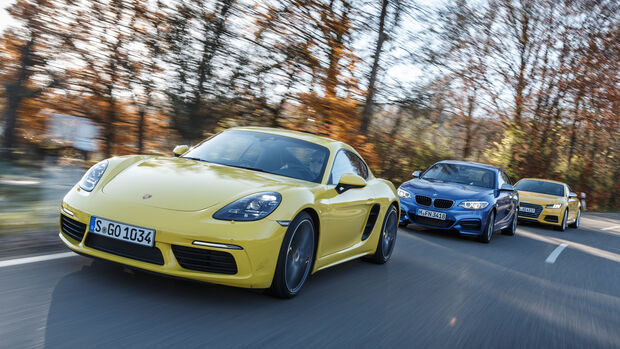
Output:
x=35 y=259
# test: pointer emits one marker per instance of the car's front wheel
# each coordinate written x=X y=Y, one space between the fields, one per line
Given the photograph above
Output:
x=489 y=228
x=295 y=258
x=562 y=227
x=575 y=224
x=387 y=239
x=512 y=228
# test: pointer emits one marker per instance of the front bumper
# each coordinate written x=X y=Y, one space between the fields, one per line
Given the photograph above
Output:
x=543 y=215
x=468 y=222
x=255 y=262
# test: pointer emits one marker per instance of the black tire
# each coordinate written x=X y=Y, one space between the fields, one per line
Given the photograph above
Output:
x=487 y=234
x=562 y=227
x=575 y=224
x=295 y=258
x=512 y=228
x=387 y=239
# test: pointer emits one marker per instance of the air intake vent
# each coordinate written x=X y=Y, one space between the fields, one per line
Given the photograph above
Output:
x=202 y=259
x=372 y=219
x=125 y=249
x=72 y=228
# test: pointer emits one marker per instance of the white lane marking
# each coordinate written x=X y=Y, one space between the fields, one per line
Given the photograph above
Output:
x=27 y=260
x=611 y=228
x=554 y=255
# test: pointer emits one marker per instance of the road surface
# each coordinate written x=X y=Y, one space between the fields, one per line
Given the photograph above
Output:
x=541 y=288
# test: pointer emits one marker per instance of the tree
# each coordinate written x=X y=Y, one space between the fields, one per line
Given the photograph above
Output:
x=385 y=28
x=197 y=49
x=27 y=49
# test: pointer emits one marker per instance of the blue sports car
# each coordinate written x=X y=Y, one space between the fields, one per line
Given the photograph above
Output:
x=475 y=199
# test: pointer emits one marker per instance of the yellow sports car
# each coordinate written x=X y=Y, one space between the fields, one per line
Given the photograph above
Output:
x=248 y=207
x=548 y=202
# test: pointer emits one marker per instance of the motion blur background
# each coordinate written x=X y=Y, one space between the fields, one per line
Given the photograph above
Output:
x=531 y=86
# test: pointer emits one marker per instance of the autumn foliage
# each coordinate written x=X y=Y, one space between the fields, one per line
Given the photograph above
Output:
x=529 y=85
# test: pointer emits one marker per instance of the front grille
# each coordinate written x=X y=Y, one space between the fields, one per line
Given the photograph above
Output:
x=538 y=209
x=423 y=200
x=125 y=249
x=553 y=219
x=72 y=228
x=431 y=221
x=202 y=259
x=443 y=203
x=470 y=224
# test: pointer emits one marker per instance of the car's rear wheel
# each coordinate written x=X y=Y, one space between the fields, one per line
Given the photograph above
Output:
x=487 y=234
x=295 y=258
x=562 y=227
x=575 y=224
x=512 y=228
x=387 y=239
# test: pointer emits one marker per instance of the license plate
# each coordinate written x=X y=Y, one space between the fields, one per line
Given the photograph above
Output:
x=121 y=231
x=527 y=209
x=432 y=214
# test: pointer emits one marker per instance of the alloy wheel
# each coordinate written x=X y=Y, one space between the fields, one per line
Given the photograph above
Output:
x=299 y=256
x=388 y=235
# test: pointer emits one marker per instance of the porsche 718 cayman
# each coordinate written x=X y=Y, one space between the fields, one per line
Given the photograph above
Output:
x=249 y=207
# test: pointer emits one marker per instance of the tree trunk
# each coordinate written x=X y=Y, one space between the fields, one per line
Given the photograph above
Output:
x=141 y=130
x=367 y=111
x=10 y=119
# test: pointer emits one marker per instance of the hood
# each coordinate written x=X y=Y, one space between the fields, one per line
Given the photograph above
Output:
x=538 y=198
x=452 y=191
x=189 y=185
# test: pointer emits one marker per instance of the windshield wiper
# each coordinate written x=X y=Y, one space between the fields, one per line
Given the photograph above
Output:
x=249 y=168
x=191 y=158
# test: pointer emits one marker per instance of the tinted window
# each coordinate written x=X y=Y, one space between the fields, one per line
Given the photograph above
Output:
x=505 y=178
x=347 y=162
x=540 y=187
x=462 y=174
x=265 y=152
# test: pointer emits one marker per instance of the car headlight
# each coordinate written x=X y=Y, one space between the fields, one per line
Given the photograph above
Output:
x=474 y=205
x=403 y=193
x=250 y=208
x=92 y=176
x=554 y=206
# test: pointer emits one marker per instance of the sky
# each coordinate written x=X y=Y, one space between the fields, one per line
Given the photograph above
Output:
x=5 y=19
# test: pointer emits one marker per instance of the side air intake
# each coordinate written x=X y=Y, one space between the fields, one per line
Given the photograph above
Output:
x=370 y=222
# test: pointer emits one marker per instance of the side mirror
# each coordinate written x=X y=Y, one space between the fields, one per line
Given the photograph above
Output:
x=349 y=181
x=416 y=174
x=572 y=195
x=506 y=187
x=180 y=150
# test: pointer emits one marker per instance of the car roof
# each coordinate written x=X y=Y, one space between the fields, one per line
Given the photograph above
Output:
x=324 y=141
x=476 y=164
x=543 y=180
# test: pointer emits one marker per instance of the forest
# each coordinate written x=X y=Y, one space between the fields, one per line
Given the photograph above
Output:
x=532 y=86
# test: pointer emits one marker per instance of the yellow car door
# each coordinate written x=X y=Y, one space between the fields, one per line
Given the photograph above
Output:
x=344 y=214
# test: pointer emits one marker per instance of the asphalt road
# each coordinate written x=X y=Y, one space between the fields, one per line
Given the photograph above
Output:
x=437 y=291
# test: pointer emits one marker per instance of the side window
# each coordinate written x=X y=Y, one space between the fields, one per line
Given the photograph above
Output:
x=347 y=162
x=500 y=179
x=506 y=178
x=358 y=165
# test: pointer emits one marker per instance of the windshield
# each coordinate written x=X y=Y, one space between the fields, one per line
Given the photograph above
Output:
x=264 y=152
x=462 y=174
x=540 y=187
